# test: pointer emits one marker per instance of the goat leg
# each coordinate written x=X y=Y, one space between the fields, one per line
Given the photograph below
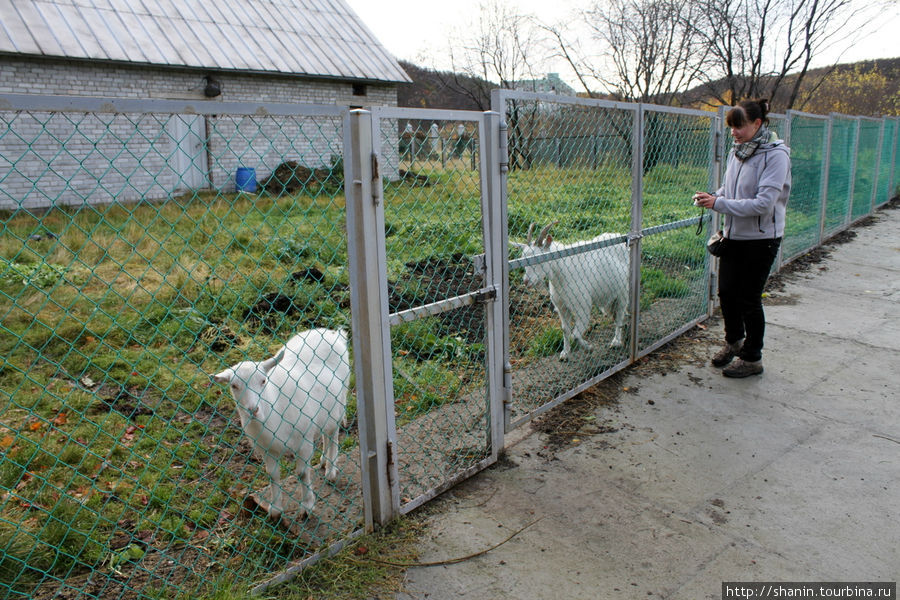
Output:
x=274 y=471
x=331 y=446
x=304 y=477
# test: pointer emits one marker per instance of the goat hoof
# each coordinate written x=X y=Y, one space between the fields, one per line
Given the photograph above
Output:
x=563 y=356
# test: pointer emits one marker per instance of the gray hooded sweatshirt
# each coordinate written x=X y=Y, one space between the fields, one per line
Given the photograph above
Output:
x=755 y=193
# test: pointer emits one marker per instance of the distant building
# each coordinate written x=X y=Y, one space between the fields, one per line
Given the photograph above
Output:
x=251 y=51
x=551 y=84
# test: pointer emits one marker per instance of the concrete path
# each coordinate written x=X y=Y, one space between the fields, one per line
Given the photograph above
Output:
x=692 y=479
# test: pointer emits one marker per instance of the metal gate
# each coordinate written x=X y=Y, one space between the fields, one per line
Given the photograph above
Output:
x=421 y=214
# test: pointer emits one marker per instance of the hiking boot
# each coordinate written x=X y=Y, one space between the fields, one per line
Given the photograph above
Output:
x=743 y=368
x=727 y=353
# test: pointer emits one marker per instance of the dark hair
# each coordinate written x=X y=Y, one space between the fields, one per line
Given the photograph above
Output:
x=748 y=111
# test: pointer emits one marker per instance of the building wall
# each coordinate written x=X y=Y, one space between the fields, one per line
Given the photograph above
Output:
x=49 y=159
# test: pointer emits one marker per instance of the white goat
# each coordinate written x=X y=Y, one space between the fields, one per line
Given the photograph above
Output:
x=580 y=281
x=284 y=401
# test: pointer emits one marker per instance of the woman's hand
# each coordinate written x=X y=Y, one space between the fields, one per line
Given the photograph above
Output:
x=705 y=200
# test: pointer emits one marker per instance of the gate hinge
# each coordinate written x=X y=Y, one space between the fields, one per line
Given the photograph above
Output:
x=390 y=463
x=633 y=237
x=376 y=180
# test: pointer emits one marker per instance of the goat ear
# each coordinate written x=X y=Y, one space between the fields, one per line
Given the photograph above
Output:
x=269 y=364
x=220 y=377
x=519 y=245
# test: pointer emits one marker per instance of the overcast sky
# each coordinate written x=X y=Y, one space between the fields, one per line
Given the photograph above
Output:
x=419 y=30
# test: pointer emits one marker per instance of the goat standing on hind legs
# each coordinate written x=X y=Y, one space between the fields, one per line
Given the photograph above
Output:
x=284 y=402
x=578 y=282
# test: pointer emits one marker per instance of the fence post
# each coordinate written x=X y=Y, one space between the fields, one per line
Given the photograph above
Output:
x=878 y=153
x=895 y=141
x=858 y=122
x=371 y=333
x=634 y=236
x=498 y=105
x=826 y=174
x=493 y=163
x=717 y=157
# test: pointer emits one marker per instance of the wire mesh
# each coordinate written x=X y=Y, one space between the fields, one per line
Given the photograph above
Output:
x=674 y=288
x=895 y=173
x=433 y=229
x=142 y=252
x=842 y=160
x=804 y=211
x=885 y=164
x=131 y=270
x=580 y=191
x=866 y=173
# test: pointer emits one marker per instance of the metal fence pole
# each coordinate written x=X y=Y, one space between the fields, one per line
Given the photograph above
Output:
x=892 y=178
x=493 y=161
x=853 y=165
x=825 y=176
x=371 y=336
x=498 y=105
x=717 y=151
x=634 y=237
x=878 y=152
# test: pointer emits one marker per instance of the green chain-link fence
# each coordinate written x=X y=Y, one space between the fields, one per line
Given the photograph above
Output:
x=569 y=180
x=886 y=161
x=867 y=153
x=132 y=270
x=148 y=245
x=674 y=282
x=433 y=229
x=572 y=171
x=804 y=210
x=842 y=159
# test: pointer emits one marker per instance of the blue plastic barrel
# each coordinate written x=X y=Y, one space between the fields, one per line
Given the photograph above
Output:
x=245 y=179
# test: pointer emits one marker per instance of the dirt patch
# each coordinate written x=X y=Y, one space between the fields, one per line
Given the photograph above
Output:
x=439 y=278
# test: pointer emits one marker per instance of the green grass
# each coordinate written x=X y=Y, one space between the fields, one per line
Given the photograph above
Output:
x=134 y=307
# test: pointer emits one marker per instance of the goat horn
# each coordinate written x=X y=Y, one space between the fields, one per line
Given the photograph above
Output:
x=544 y=233
x=530 y=233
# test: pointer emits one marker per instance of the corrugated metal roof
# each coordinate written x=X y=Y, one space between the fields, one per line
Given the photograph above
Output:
x=307 y=37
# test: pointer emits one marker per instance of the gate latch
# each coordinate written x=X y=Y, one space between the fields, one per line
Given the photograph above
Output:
x=486 y=295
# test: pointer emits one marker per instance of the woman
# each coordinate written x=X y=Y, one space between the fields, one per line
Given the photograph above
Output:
x=753 y=200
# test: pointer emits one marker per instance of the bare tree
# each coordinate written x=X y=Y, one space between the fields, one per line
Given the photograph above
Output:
x=765 y=47
x=651 y=50
x=501 y=49
x=644 y=49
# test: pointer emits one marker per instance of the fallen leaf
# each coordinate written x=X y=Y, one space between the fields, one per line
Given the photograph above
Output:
x=35 y=425
x=201 y=535
x=7 y=441
x=60 y=419
x=87 y=382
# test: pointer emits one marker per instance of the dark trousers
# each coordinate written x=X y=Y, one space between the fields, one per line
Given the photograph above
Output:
x=743 y=271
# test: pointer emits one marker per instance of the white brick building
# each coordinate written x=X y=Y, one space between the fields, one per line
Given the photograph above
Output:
x=295 y=51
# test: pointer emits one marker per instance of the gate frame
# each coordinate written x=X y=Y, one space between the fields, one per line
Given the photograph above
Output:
x=369 y=301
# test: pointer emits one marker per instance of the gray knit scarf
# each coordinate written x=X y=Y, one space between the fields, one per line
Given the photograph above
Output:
x=744 y=151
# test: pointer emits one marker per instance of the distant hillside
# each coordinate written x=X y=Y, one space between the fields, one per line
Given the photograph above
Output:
x=870 y=88
x=442 y=89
